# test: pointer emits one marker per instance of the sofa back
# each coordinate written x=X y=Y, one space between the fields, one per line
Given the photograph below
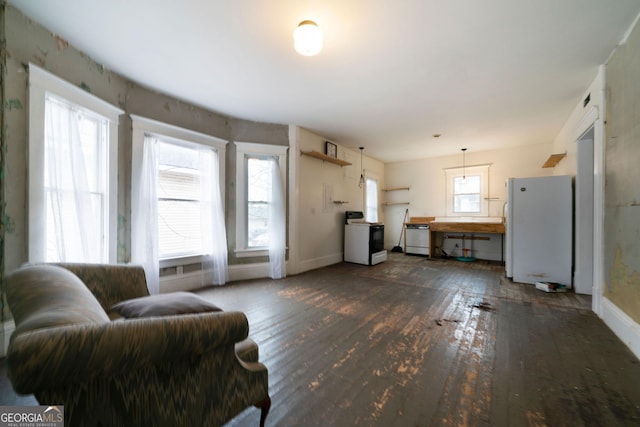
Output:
x=111 y=283
x=45 y=296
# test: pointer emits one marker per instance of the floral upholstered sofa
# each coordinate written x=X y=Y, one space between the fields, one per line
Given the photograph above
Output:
x=195 y=367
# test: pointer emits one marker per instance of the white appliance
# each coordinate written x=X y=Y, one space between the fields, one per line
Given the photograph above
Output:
x=539 y=231
x=416 y=239
x=363 y=241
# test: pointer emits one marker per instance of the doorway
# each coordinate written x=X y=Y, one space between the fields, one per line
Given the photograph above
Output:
x=583 y=280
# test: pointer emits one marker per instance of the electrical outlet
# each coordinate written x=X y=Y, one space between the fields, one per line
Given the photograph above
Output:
x=456 y=245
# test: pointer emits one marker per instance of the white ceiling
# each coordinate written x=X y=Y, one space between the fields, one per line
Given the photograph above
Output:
x=484 y=74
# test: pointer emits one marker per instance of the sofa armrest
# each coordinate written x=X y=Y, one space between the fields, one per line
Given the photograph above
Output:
x=50 y=358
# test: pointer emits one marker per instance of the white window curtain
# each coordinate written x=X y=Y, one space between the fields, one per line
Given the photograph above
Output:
x=277 y=228
x=73 y=219
x=214 y=235
x=144 y=230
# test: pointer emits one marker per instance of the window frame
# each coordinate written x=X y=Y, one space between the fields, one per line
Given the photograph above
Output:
x=42 y=82
x=452 y=173
x=141 y=127
x=367 y=196
x=243 y=151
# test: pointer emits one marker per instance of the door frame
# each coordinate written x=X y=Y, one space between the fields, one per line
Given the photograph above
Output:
x=592 y=119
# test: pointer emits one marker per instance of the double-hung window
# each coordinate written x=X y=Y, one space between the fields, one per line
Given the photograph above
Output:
x=259 y=183
x=181 y=178
x=258 y=165
x=177 y=202
x=72 y=173
x=371 y=197
x=467 y=191
x=188 y=179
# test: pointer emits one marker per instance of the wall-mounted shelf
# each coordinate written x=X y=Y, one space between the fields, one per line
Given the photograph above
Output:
x=395 y=189
x=553 y=160
x=325 y=158
x=340 y=202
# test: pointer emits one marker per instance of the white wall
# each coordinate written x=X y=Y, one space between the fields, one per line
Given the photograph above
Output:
x=317 y=226
x=426 y=179
x=575 y=125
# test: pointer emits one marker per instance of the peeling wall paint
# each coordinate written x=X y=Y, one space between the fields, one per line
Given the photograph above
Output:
x=622 y=175
x=8 y=224
x=11 y=104
x=3 y=150
x=624 y=286
x=27 y=41
x=123 y=249
x=61 y=43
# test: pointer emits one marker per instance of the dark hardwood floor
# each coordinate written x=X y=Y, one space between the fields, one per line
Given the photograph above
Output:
x=417 y=342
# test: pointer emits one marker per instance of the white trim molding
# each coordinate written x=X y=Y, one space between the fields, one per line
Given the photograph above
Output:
x=181 y=282
x=243 y=150
x=319 y=262
x=42 y=82
x=622 y=325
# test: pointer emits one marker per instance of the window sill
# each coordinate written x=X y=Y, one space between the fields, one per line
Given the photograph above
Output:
x=183 y=260
x=247 y=253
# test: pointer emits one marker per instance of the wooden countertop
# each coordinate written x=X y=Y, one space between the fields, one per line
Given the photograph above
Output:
x=420 y=219
x=468 y=227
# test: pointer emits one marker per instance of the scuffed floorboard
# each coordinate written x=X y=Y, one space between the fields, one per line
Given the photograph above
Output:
x=417 y=342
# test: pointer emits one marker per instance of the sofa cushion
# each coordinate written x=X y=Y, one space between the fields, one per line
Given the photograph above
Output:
x=43 y=296
x=164 y=305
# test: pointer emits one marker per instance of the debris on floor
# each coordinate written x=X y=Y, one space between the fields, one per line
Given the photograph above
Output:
x=551 y=287
x=440 y=322
x=484 y=306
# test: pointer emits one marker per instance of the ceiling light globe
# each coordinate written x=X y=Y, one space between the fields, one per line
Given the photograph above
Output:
x=307 y=38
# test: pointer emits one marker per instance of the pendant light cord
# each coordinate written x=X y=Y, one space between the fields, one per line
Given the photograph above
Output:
x=361 y=182
x=464 y=170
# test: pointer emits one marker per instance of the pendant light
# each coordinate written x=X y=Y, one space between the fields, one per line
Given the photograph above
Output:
x=307 y=38
x=464 y=174
x=361 y=182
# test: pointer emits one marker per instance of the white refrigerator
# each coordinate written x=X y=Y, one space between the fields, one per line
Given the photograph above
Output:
x=539 y=229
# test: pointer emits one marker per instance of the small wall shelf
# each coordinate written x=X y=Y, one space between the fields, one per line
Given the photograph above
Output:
x=395 y=189
x=553 y=160
x=325 y=158
x=340 y=202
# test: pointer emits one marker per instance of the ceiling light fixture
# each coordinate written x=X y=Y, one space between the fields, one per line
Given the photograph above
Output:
x=361 y=182
x=307 y=38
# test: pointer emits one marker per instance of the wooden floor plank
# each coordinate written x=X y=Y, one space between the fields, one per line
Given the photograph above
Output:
x=420 y=342
x=439 y=343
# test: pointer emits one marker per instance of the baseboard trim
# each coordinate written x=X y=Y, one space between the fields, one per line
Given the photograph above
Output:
x=191 y=281
x=248 y=271
x=181 y=282
x=622 y=325
x=315 y=263
x=8 y=326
